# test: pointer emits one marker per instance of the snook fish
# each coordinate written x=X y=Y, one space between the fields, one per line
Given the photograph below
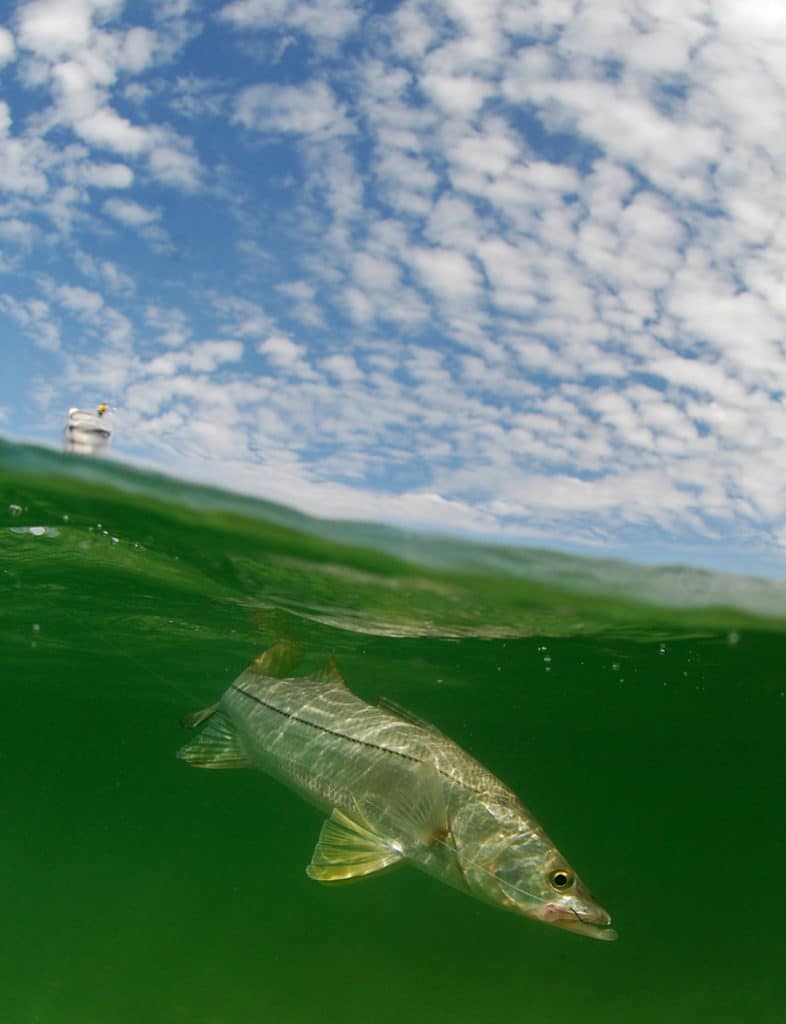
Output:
x=395 y=788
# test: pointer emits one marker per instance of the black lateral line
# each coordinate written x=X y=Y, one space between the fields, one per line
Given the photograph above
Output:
x=343 y=736
x=323 y=728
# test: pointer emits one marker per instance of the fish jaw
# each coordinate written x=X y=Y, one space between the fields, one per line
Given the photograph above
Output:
x=590 y=920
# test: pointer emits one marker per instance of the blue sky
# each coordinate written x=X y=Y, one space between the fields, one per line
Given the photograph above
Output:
x=510 y=269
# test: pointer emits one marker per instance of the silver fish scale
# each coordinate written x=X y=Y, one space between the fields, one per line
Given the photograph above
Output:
x=331 y=745
x=395 y=789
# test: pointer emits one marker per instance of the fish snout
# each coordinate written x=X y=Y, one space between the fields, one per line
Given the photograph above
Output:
x=580 y=916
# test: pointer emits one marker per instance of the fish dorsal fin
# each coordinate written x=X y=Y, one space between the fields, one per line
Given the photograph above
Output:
x=349 y=849
x=277 y=661
x=406 y=715
x=217 y=746
x=329 y=674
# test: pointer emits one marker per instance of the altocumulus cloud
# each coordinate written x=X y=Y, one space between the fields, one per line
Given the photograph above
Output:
x=511 y=268
x=130 y=212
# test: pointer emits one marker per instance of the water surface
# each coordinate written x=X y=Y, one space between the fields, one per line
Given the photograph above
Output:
x=639 y=712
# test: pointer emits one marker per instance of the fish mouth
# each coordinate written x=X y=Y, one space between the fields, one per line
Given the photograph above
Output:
x=596 y=924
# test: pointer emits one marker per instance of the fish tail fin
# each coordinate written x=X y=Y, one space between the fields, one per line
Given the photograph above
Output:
x=217 y=746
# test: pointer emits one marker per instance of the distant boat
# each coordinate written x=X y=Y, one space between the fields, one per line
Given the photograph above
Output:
x=87 y=432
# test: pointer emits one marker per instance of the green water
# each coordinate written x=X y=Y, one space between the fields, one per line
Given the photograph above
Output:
x=640 y=713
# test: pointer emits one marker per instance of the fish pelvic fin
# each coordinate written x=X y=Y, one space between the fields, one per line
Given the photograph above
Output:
x=198 y=717
x=278 y=660
x=217 y=746
x=350 y=849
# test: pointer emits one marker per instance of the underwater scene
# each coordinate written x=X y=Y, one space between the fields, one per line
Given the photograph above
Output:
x=637 y=712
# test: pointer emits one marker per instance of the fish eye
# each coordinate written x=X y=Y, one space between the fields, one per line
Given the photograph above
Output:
x=561 y=879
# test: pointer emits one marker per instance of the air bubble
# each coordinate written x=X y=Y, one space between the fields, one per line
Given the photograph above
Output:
x=36 y=531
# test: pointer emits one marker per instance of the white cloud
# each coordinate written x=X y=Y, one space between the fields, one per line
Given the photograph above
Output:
x=109 y=130
x=17 y=232
x=530 y=253
x=207 y=355
x=196 y=97
x=104 y=272
x=201 y=357
x=284 y=354
x=342 y=367
x=171 y=323
x=129 y=212
x=306 y=309
x=488 y=153
x=7 y=47
x=23 y=161
x=83 y=57
x=456 y=94
x=98 y=320
x=241 y=317
x=172 y=163
x=447 y=273
x=321 y=19
x=108 y=175
x=51 y=28
x=137 y=49
x=310 y=109
x=35 y=316
x=80 y=301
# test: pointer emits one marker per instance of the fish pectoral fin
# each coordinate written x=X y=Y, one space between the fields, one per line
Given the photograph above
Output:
x=198 y=717
x=419 y=810
x=348 y=849
x=217 y=746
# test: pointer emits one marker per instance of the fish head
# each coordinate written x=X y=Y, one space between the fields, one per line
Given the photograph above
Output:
x=520 y=869
x=533 y=879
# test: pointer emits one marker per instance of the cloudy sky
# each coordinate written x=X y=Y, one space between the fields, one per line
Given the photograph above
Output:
x=510 y=267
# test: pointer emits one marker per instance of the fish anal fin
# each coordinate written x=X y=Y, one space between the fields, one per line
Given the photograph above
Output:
x=350 y=849
x=277 y=661
x=217 y=746
x=329 y=674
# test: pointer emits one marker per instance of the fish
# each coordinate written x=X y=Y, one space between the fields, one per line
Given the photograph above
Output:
x=394 y=788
